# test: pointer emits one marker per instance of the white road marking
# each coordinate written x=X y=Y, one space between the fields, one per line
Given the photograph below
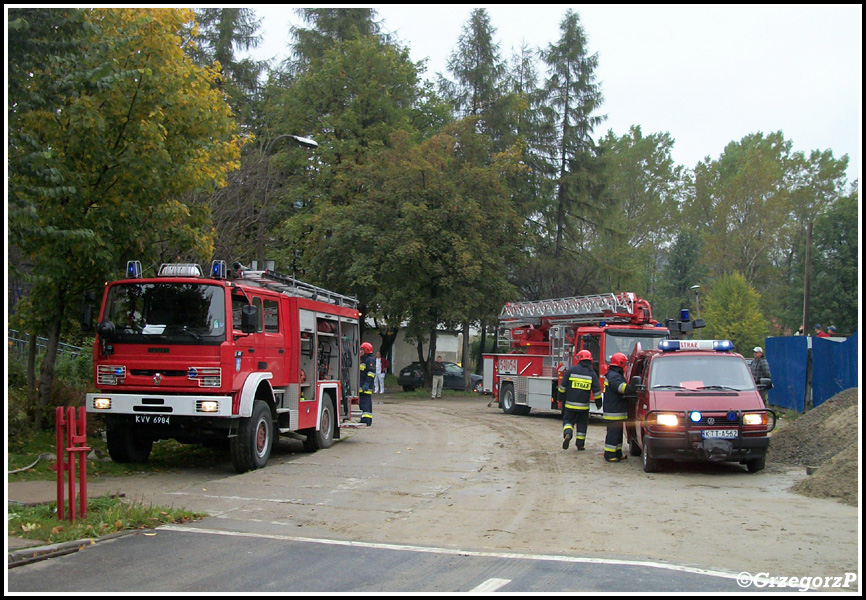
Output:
x=456 y=552
x=491 y=585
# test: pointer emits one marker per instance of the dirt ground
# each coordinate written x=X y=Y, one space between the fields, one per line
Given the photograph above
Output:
x=455 y=473
x=827 y=438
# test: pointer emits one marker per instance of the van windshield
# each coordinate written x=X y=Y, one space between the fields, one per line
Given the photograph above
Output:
x=692 y=372
x=167 y=312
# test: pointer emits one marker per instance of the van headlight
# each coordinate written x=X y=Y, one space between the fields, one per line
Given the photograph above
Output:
x=755 y=419
x=667 y=420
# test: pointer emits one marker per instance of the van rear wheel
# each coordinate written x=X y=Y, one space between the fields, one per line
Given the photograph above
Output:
x=756 y=464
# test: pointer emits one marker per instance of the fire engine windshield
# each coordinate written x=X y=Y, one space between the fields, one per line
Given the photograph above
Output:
x=624 y=340
x=182 y=313
x=693 y=372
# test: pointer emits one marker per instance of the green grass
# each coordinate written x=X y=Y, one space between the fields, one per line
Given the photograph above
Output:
x=106 y=514
x=167 y=455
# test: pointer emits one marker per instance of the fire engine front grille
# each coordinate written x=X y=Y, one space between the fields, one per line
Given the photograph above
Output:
x=151 y=373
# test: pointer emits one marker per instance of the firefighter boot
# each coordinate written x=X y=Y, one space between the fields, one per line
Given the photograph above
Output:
x=367 y=419
x=566 y=439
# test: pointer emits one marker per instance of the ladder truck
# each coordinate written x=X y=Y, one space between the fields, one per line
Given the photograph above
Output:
x=541 y=339
x=232 y=361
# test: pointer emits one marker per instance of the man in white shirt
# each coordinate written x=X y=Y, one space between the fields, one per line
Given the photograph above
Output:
x=379 y=381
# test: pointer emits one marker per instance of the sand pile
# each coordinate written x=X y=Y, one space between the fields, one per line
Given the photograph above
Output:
x=824 y=437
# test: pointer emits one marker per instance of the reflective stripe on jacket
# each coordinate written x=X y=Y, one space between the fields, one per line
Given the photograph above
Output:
x=580 y=385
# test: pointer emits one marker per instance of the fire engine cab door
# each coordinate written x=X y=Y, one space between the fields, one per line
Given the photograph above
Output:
x=274 y=351
x=249 y=349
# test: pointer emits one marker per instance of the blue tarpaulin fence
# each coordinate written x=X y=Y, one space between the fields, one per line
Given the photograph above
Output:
x=798 y=362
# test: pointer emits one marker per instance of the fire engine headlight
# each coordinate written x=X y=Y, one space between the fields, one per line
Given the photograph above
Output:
x=209 y=406
x=667 y=420
x=102 y=403
x=754 y=419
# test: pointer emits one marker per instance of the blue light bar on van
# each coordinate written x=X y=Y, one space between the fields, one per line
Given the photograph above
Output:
x=684 y=314
x=717 y=345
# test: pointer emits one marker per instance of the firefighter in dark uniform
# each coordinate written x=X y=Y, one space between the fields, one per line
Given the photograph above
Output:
x=615 y=407
x=368 y=376
x=579 y=385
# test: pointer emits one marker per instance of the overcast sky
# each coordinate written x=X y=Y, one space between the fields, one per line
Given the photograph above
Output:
x=707 y=75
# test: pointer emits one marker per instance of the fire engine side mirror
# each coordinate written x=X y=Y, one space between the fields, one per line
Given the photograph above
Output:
x=249 y=318
x=87 y=311
x=106 y=330
x=636 y=384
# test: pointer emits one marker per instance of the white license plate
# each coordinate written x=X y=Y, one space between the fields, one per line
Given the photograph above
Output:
x=719 y=433
x=153 y=419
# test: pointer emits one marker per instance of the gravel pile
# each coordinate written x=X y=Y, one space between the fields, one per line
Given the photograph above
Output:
x=824 y=437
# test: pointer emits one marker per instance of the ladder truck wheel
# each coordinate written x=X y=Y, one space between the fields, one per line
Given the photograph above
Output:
x=251 y=447
x=506 y=398
x=126 y=444
x=324 y=436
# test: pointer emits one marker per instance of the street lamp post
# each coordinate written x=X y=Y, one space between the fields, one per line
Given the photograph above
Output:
x=304 y=143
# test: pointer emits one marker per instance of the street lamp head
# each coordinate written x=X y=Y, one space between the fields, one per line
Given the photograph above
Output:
x=305 y=142
x=695 y=288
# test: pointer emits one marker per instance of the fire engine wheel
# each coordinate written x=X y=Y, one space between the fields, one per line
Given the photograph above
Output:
x=324 y=436
x=506 y=398
x=251 y=447
x=650 y=464
x=126 y=444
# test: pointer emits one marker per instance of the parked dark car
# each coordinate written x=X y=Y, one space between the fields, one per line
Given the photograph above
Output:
x=412 y=377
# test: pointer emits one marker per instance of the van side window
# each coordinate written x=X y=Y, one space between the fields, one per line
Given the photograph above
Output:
x=272 y=316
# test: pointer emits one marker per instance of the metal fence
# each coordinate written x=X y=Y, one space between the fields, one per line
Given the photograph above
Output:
x=20 y=342
x=809 y=371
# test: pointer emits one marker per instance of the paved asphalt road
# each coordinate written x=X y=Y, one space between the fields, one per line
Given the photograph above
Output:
x=201 y=560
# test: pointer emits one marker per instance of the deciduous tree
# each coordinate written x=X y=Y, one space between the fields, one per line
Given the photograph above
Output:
x=124 y=126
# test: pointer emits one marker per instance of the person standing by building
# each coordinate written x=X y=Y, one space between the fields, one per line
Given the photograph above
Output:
x=379 y=380
x=368 y=374
x=760 y=369
x=438 y=378
x=615 y=407
x=579 y=385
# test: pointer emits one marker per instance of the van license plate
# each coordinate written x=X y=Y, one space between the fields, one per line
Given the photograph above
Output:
x=719 y=433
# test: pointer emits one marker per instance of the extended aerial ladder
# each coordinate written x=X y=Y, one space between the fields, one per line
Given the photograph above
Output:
x=538 y=338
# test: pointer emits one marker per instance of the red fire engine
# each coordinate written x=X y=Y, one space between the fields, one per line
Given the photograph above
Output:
x=543 y=338
x=204 y=358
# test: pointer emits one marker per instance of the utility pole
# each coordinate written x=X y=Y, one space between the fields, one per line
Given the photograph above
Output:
x=807 y=279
